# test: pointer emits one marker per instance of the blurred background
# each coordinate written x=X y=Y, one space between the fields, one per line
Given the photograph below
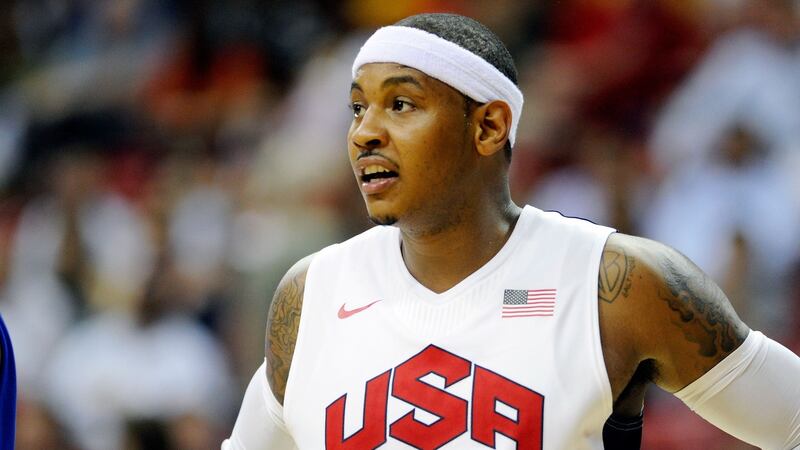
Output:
x=163 y=162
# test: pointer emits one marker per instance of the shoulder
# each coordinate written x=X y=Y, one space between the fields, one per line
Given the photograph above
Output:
x=656 y=306
x=283 y=321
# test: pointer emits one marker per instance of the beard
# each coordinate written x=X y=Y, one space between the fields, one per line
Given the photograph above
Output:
x=385 y=220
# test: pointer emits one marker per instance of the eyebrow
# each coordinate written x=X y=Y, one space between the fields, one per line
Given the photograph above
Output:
x=391 y=81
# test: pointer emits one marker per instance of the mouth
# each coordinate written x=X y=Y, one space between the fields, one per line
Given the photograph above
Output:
x=376 y=175
x=376 y=179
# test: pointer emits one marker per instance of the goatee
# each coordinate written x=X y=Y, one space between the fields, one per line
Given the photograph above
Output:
x=387 y=220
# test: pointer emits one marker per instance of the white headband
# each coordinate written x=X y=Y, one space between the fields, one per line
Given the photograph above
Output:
x=450 y=63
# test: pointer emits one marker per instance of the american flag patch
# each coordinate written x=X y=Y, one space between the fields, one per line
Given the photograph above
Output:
x=529 y=303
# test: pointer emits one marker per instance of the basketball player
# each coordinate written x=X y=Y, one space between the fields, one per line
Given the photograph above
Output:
x=8 y=390
x=474 y=323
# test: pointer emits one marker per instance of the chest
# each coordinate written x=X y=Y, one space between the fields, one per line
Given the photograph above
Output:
x=383 y=374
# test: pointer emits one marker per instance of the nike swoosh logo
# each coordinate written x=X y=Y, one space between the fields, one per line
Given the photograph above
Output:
x=344 y=314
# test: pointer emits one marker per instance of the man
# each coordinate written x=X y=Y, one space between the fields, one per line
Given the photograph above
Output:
x=473 y=323
x=8 y=390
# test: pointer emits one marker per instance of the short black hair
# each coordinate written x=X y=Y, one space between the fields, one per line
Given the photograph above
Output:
x=471 y=35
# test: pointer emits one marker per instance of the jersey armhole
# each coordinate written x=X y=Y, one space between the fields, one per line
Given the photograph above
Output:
x=299 y=342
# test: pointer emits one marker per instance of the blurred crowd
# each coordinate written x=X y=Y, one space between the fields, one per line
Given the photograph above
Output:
x=162 y=163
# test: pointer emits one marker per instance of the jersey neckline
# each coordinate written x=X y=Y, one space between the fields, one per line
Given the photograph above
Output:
x=524 y=221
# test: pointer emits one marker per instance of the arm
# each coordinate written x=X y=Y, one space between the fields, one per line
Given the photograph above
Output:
x=260 y=423
x=663 y=321
x=283 y=322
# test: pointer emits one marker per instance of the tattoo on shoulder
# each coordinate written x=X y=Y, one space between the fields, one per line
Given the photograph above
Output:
x=282 y=325
x=703 y=312
x=614 y=279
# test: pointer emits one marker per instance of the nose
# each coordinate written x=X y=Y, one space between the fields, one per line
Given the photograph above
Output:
x=370 y=133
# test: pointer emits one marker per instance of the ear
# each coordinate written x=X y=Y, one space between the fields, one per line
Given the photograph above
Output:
x=493 y=124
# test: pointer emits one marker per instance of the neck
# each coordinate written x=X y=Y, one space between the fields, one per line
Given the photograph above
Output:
x=439 y=260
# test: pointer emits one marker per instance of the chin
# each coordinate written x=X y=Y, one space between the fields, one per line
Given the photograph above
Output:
x=381 y=212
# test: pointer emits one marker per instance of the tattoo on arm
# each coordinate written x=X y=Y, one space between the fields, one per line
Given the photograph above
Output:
x=704 y=314
x=282 y=325
x=616 y=268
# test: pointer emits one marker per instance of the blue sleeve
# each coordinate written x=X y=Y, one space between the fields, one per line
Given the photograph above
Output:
x=8 y=390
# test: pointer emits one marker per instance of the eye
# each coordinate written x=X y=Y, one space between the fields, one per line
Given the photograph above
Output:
x=358 y=109
x=402 y=105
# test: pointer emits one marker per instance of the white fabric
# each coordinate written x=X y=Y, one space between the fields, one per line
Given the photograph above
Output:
x=450 y=63
x=260 y=423
x=753 y=394
x=558 y=357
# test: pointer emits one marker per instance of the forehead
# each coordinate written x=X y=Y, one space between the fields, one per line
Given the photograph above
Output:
x=386 y=75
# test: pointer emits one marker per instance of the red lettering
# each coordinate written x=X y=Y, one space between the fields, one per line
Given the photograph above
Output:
x=522 y=423
x=373 y=431
x=526 y=430
x=451 y=410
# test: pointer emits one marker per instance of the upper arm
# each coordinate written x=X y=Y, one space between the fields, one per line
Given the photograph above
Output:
x=665 y=311
x=283 y=322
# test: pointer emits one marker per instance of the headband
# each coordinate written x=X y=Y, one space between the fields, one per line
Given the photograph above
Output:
x=450 y=63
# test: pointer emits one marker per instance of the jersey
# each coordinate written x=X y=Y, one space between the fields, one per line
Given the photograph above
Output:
x=510 y=357
x=8 y=390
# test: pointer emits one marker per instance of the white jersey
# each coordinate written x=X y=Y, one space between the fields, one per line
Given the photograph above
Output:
x=508 y=358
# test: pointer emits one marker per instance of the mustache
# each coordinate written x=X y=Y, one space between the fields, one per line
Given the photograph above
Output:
x=371 y=152
x=368 y=152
